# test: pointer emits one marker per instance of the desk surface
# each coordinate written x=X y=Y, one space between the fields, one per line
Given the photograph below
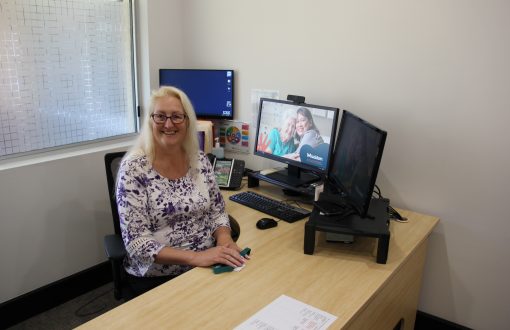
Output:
x=341 y=279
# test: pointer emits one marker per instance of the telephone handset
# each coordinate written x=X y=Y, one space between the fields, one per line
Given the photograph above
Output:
x=228 y=172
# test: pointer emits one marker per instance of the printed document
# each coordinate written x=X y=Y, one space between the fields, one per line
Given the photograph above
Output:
x=288 y=313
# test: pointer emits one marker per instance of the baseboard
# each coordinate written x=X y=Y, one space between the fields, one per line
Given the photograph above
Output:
x=426 y=321
x=37 y=301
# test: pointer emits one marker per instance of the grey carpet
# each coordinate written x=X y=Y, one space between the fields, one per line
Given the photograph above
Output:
x=74 y=312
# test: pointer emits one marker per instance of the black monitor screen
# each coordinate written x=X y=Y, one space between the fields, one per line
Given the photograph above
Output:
x=356 y=160
x=211 y=91
x=300 y=135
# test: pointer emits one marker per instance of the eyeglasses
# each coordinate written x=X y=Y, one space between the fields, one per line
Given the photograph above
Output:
x=175 y=118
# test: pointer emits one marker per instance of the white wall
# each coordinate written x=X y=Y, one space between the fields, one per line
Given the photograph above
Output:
x=161 y=41
x=435 y=75
x=54 y=214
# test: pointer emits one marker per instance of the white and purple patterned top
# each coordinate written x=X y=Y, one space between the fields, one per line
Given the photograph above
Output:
x=156 y=212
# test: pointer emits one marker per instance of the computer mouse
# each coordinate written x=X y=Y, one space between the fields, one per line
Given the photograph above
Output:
x=266 y=223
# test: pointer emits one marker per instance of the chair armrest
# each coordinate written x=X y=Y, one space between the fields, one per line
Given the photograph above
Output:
x=235 y=230
x=114 y=247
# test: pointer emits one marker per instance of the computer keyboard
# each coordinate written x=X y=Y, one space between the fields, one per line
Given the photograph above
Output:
x=270 y=206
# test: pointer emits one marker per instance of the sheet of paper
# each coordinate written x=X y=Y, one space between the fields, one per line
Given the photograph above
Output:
x=238 y=269
x=234 y=135
x=256 y=94
x=288 y=313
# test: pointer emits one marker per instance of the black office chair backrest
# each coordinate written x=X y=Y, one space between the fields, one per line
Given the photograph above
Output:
x=112 y=163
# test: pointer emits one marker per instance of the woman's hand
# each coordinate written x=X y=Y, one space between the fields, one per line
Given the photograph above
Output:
x=218 y=255
x=229 y=244
x=263 y=143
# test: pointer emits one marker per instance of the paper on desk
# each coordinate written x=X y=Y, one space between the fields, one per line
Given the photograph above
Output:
x=288 y=313
x=238 y=269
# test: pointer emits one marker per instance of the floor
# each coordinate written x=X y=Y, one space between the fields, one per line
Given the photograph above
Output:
x=74 y=312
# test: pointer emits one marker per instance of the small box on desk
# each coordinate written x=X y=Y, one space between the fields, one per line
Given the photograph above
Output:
x=205 y=135
x=375 y=225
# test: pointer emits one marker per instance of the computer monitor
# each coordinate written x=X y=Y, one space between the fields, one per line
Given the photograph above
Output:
x=299 y=135
x=355 y=162
x=211 y=91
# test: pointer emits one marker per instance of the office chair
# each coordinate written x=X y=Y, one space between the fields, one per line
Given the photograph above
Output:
x=113 y=243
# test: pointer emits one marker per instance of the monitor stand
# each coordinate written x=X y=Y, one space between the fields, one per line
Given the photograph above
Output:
x=304 y=185
x=293 y=176
x=376 y=226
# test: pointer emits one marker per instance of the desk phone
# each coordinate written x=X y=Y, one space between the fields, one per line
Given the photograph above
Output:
x=228 y=172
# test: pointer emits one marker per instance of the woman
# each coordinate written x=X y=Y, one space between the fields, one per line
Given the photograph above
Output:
x=306 y=132
x=280 y=141
x=306 y=129
x=172 y=214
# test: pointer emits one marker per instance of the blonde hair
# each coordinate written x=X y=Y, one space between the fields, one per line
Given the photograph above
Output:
x=144 y=145
x=288 y=115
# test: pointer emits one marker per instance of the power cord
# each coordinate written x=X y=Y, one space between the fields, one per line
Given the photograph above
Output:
x=377 y=191
x=101 y=308
x=394 y=214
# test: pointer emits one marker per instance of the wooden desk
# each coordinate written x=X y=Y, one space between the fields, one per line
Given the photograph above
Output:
x=343 y=280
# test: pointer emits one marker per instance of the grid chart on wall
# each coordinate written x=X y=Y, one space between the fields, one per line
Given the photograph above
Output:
x=65 y=73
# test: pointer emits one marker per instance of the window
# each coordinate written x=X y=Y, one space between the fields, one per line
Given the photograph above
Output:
x=66 y=73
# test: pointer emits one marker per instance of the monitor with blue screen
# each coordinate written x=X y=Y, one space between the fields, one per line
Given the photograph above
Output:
x=211 y=91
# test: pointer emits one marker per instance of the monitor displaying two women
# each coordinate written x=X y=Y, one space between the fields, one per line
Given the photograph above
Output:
x=300 y=135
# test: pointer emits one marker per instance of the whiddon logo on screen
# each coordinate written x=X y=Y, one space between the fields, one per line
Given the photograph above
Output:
x=317 y=157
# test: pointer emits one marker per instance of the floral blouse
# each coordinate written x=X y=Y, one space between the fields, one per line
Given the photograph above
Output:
x=156 y=212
